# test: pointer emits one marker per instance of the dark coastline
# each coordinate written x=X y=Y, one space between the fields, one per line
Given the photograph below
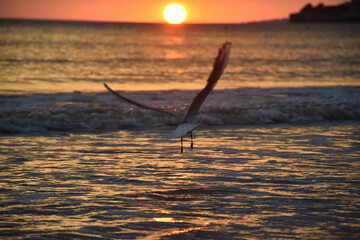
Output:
x=346 y=12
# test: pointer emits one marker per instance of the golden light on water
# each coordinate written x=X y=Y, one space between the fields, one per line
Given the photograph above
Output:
x=164 y=219
x=247 y=179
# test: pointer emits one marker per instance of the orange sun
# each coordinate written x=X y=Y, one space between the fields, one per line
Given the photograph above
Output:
x=174 y=14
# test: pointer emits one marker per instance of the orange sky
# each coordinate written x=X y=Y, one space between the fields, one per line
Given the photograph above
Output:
x=199 y=11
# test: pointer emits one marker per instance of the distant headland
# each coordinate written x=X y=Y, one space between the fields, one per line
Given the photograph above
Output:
x=346 y=12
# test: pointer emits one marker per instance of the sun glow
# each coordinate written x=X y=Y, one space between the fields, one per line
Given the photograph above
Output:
x=174 y=14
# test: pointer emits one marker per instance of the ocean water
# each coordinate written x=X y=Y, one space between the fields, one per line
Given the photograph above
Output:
x=277 y=154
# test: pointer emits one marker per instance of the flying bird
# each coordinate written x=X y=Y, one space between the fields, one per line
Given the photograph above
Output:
x=189 y=122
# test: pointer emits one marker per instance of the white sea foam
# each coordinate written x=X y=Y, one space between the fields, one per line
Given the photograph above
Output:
x=100 y=111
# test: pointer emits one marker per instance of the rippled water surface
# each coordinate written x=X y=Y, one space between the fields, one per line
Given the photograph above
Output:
x=276 y=156
x=298 y=182
x=51 y=57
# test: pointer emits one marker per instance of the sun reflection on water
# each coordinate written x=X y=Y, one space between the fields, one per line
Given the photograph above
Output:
x=174 y=54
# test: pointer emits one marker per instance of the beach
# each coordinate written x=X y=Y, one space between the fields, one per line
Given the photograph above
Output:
x=276 y=155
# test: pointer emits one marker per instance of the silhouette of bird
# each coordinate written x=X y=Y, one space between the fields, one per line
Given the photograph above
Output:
x=189 y=122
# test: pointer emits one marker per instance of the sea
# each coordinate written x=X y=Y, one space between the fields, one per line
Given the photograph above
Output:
x=277 y=154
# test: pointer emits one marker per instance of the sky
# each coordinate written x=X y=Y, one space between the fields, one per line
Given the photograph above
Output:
x=198 y=11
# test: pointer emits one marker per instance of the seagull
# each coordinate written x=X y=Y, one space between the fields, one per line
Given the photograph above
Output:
x=189 y=122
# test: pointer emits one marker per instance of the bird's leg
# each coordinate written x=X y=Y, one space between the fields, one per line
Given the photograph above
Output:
x=192 y=143
x=181 y=148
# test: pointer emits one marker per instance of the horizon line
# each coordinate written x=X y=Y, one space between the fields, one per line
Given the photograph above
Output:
x=140 y=22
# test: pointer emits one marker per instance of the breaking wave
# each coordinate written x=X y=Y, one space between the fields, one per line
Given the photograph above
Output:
x=101 y=111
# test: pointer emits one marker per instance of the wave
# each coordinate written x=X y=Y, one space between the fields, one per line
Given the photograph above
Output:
x=79 y=111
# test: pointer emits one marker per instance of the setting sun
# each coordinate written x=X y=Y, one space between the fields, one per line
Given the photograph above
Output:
x=175 y=14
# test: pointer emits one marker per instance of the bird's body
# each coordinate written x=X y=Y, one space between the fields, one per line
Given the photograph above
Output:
x=183 y=129
x=189 y=123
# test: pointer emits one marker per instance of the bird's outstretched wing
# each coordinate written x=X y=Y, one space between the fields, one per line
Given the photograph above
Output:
x=138 y=104
x=219 y=65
